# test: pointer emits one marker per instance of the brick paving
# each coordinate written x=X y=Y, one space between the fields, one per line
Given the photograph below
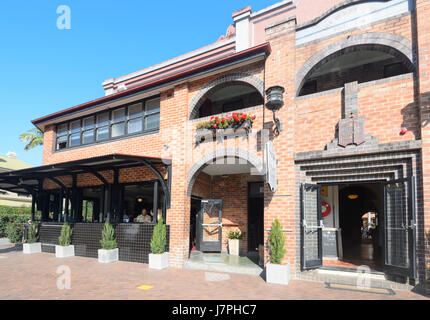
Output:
x=34 y=277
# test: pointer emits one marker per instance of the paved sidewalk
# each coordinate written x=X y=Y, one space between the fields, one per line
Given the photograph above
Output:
x=35 y=277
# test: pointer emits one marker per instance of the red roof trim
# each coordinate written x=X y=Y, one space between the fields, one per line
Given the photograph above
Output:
x=262 y=47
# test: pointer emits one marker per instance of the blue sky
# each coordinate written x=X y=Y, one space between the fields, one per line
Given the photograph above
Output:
x=44 y=69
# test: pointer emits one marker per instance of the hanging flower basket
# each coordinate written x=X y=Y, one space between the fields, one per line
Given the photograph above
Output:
x=233 y=122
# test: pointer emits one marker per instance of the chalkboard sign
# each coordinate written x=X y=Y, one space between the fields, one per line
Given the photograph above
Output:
x=329 y=243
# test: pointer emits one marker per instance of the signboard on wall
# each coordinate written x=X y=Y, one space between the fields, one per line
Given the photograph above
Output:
x=271 y=164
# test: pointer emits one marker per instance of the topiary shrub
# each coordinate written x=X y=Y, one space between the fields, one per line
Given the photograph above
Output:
x=108 y=241
x=65 y=238
x=158 y=241
x=277 y=243
x=32 y=233
x=14 y=232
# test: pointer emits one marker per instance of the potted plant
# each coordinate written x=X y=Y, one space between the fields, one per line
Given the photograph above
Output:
x=159 y=259
x=276 y=272
x=65 y=249
x=31 y=246
x=109 y=251
x=234 y=238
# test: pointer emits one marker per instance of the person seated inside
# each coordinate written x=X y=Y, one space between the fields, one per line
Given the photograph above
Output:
x=144 y=216
x=125 y=217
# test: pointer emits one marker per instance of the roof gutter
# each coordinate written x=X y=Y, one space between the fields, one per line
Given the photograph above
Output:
x=262 y=48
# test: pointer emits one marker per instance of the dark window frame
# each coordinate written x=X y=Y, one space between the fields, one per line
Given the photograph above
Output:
x=111 y=122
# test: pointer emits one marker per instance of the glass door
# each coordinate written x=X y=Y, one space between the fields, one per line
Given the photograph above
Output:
x=311 y=224
x=210 y=225
x=400 y=228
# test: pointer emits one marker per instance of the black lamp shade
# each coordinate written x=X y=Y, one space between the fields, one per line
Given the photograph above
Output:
x=275 y=99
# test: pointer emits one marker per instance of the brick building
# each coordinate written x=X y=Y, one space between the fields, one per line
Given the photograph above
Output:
x=352 y=184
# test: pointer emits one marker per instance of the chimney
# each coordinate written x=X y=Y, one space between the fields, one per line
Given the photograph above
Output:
x=241 y=22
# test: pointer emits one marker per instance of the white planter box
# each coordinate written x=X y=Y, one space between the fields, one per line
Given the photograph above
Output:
x=278 y=273
x=64 y=252
x=107 y=256
x=159 y=261
x=29 y=248
x=233 y=246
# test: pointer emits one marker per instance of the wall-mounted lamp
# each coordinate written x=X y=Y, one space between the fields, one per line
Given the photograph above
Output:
x=275 y=101
x=139 y=200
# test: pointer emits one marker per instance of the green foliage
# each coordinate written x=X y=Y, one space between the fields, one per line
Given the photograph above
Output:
x=14 y=232
x=158 y=241
x=235 y=235
x=33 y=138
x=277 y=243
x=108 y=241
x=32 y=233
x=12 y=215
x=65 y=238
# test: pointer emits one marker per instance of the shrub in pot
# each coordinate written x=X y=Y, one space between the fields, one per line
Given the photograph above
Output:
x=65 y=249
x=234 y=238
x=159 y=258
x=276 y=272
x=32 y=246
x=109 y=251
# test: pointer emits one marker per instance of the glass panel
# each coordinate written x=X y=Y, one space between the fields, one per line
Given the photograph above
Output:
x=152 y=106
x=311 y=232
x=103 y=119
x=75 y=139
x=135 y=110
x=62 y=130
x=88 y=136
x=396 y=222
x=75 y=126
x=211 y=215
x=152 y=121
x=62 y=142
x=118 y=129
x=135 y=125
x=103 y=133
x=88 y=123
x=118 y=115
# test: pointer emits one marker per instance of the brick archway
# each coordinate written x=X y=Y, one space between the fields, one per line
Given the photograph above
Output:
x=395 y=45
x=220 y=82
x=200 y=164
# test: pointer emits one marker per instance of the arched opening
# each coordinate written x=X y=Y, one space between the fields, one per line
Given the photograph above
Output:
x=227 y=97
x=361 y=63
x=227 y=195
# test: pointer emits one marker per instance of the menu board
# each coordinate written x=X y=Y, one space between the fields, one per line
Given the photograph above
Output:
x=329 y=243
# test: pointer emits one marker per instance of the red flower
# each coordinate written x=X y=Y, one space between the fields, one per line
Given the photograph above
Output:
x=243 y=116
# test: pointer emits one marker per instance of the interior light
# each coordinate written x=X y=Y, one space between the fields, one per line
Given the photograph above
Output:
x=139 y=199
x=353 y=196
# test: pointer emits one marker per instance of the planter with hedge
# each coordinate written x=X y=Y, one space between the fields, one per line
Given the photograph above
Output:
x=65 y=249
x=32 y=246
x=234 y=238
x=109 y=251
x=276 y=272
x=159 y=258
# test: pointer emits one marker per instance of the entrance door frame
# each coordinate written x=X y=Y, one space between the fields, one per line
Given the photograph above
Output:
x=262 y=225
x=382 y=183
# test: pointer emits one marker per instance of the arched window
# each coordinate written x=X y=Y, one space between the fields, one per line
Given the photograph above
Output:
x=361 y=63
x=228 y=97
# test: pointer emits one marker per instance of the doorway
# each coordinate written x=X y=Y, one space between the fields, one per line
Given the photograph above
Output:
x=255 y=215
x=360 y=217
x=373 y=225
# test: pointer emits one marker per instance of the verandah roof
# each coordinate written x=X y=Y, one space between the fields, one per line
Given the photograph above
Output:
x=27 y=181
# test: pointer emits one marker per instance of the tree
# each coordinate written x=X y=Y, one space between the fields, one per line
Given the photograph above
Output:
x=33 y=138
x=276 y=242
x=158 y=242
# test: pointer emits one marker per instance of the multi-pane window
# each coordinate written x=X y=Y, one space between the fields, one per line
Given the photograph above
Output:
x=131 y=119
